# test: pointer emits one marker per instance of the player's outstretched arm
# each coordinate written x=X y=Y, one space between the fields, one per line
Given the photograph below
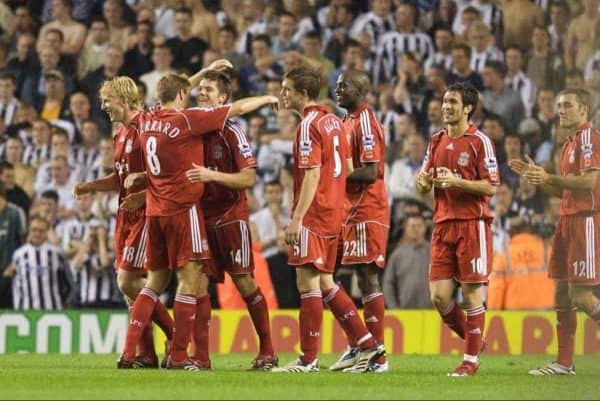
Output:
x=240 y=180
x=249 y=104
x=108 y=183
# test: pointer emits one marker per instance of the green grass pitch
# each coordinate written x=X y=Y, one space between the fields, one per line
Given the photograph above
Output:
x=30 y=376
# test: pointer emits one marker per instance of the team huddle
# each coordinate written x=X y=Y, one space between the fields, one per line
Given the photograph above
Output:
x=182 y=174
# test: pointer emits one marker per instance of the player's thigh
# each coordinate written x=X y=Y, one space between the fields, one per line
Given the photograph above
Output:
x=134 y=248
x=558 y=267
x=314 y=250
x=235 y=247
x=443 y=263
x=157 y=256
x=474 y=251
x=583 y=246
x=364 y=243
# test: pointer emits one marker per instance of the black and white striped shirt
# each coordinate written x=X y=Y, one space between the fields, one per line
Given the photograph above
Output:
x=524 y=85
x=478 y=60
x=371 y=24
x=8 y=110
x=85 y=157
x=97 y=284
x=443 y=60
x=392 y=46
x=42 y=279
x=34 y=156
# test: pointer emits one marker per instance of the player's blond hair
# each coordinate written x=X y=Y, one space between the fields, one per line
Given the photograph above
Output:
x=123 y=88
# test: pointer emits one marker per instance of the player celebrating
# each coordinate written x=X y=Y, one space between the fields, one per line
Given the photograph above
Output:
x=230 y=169
x=573 y=261
x=171 y=142
x=120 y=100
x=365 y=232
x=461 y=164
x=321 y=165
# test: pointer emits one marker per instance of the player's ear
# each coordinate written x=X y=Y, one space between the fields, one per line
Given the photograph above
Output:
x=468 y=109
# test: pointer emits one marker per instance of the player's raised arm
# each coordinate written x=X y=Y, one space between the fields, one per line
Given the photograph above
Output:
x=249 y=104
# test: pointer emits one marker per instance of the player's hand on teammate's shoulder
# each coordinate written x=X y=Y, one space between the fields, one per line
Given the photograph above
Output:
x=199 y=174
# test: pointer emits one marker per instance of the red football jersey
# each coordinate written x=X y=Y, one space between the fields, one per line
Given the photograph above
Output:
x=470 y=156
x=368 y=202
x=227 y=151
x=171 y=142
x=320 y=141
x=580 y=154
x=128 y=157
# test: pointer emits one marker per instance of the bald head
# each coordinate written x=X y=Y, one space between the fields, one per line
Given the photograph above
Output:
x=352 y=88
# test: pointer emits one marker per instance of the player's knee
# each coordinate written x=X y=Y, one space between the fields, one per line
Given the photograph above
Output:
x=128 y=286
x=245 y=284
x=439 y=301
x=584 y=299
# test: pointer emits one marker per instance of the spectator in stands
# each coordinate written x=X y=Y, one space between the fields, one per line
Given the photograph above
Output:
x=55 y=39
x=53 y=105
x=482 y=46
x=499 y=98
x=254 y=77
x=559 y=24
x=518 y=81
x=405 y=280
x=269 y=224
x=506 y=209
x=519 y=278
x=205 y=25
x=38 y=151
x=138 y=59
x=12 y=234
x=43 y=262
x=579 y=44
x=119 y=29
x=434 y=119
x=86 y=154
x=62 y=182
x=374 y=23
x=187 y=50
x=94 y=49
x=406 y=38
x=494 y=128
x=352 y=59
x=33 y=85
x=286 y=27
x=404 y=170
x=162 y=58
x=23 y=59
x=73 y=31
x=513 y=149
x=520 y=17
x=545 y=66
x=12 y=191
x=530 y=200
x=226 y=46
x=24 y=173
x=8 y=102
x=534 y=142
x=443 y=40
x=545 y=112
x=461 y=67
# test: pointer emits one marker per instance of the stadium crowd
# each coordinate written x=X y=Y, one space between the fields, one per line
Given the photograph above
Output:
x=55 y=55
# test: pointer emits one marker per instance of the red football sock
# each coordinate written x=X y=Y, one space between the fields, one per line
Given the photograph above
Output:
x=147 y=341
x=259 y=312
x=311 y=317
x=346 y=314
x=373 y=313
x=184 y=309
x=474 y=334
x=141 y=312
x=566 y=324
x=200 y=334
x=455 y=318
x=161 y=317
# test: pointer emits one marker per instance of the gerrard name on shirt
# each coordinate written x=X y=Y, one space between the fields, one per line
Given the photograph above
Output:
x=165 y=128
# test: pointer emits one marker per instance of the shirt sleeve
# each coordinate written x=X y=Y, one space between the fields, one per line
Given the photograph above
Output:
x=240 y=147
x=370 y=137
x=590 y=150
x=428 y=159
x=203 y=120
x=487 y=164
x=310 y=146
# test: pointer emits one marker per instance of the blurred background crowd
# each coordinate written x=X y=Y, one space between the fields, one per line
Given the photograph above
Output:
x=55 y=54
